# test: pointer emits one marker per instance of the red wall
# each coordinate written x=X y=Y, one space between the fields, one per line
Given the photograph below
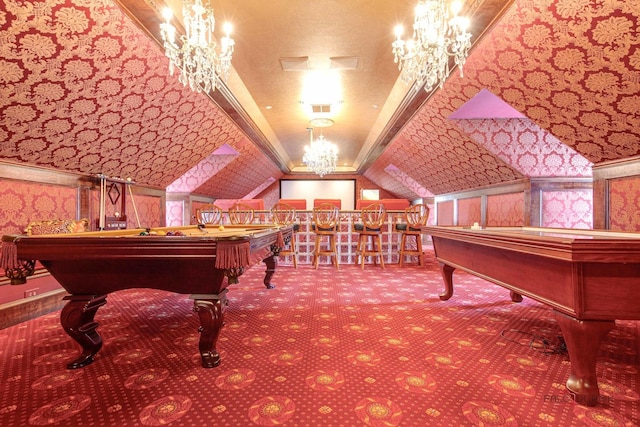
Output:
x=469 y=211
x=624 y=204
x=506 y=210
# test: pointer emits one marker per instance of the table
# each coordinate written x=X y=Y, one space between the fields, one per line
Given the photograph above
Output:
x=589 y=278
x=191 y=260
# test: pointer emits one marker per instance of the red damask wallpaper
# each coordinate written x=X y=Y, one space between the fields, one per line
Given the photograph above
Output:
x=147 y=210
x=469 y=211
x=445 y=213
x=174 y=211
x=198 y=175
x=533 y=151
x=505 y=210
x=567 y=209
x=624 y=204
x=23 y=202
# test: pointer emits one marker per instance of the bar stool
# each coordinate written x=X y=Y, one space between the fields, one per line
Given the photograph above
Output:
x=284 y=214
x=415 y=217
x=209 y=214
x=241 y=213
x=373 y=218
x=326 y=223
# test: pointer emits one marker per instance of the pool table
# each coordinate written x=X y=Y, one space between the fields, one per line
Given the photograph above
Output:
x=193 y=260
x=589 y=278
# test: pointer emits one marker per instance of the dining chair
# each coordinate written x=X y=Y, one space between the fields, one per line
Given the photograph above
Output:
x=209 y=214
x=325 y=224
x=369 y=232
x=415 y=217
x=284 y=214
x=241 y=213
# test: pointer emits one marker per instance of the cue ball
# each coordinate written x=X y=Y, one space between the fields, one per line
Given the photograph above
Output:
x=221 y=228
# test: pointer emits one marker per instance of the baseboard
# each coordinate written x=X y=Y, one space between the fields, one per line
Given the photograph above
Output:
x=29 y=308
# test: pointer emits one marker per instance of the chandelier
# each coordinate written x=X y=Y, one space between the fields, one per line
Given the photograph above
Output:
x=438 y=34
x=320 y=155
x=200 y=67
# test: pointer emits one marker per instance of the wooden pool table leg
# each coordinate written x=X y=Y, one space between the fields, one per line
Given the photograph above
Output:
x=447 y=276
x=515 y=297
x=271 y=263
x=210 y=309
x=77 y=320
x=583 y=338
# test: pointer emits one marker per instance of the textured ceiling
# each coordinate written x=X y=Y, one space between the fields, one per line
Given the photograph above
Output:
x=84 y=88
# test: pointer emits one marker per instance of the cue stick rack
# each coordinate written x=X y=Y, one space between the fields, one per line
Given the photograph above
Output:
x=112 y=203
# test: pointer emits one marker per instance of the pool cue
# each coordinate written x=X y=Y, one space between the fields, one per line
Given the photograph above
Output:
x=133 y=202
x=103 y=190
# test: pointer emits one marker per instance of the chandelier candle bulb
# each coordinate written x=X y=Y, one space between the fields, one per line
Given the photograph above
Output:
x=168 y=30
x=456 y=7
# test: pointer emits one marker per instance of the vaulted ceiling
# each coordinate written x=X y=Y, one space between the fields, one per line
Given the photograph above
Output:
x=549 y=89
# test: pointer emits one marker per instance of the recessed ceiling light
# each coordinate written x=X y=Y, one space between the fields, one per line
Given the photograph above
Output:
x=374 y=106
x=268 y=107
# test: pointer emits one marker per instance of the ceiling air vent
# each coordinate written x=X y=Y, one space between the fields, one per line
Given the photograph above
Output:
x=300 y=63
x=320 y=108
x=344 y=63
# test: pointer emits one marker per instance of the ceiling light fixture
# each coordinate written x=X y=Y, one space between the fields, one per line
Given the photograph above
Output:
x=438 y=34
x=200 y=66
x=321 y=122
x=320 y=155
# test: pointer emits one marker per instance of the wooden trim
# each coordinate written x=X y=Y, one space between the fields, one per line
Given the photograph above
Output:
x=41 y=175
x=601 y=205
x=505 y=188
x=617 y=169
x=45 y=176
x=561 y=183
x=20 y=311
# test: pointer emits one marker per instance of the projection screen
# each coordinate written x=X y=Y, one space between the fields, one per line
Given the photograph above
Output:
x=310 y=189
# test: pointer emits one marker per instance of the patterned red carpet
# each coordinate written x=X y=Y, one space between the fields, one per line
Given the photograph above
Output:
x=325 y=348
